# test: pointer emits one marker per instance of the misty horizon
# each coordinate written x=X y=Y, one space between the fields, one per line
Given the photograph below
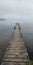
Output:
x=16 y=9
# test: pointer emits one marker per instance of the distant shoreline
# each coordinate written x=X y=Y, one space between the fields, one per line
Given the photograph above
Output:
x=2 y=19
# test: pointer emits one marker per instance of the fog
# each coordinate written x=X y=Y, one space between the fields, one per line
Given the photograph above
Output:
x=16 y=9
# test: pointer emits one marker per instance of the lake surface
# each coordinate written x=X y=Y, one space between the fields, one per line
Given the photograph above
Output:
x=27 y=32
x=6 y=29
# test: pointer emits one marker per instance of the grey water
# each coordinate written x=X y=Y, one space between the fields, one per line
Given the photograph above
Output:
x=6 y=29
x=27 y=32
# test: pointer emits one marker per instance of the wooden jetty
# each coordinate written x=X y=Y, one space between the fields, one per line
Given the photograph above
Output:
x=16 y=52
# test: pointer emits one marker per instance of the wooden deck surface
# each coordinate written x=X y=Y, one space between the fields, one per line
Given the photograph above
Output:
x=16 y=53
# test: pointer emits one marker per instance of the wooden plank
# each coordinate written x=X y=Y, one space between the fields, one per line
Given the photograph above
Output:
x=13 y=63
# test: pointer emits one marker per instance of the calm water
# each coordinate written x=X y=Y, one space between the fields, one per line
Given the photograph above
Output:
x=6 y=29
x=27 y=31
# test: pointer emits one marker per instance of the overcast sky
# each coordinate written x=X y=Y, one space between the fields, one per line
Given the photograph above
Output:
x=16 y=8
